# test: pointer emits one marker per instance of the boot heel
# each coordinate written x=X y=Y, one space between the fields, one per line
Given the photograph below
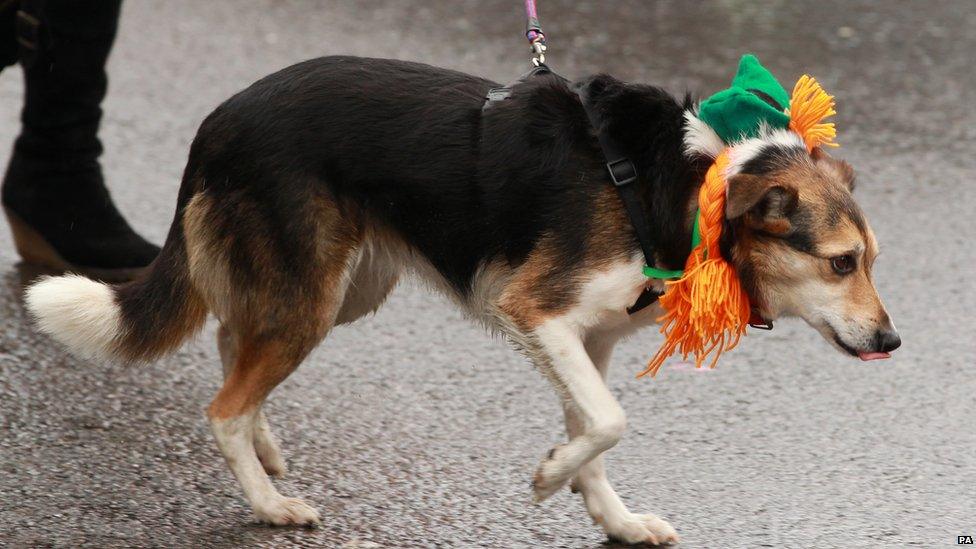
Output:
x=31 y=245
x=34 y=249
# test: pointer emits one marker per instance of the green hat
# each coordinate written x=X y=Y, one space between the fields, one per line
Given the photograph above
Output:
x=736 y=113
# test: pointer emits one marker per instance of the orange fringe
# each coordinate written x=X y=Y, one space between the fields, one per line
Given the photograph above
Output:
x=809 y=105
x=707 y=309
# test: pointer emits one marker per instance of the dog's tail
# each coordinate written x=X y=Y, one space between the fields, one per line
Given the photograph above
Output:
x=135 y=321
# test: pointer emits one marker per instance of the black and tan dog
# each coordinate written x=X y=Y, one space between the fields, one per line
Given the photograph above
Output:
x=308 y=195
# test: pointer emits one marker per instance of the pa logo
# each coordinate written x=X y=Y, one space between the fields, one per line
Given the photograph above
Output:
x=964 y=540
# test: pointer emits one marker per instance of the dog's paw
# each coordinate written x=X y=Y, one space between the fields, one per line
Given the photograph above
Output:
x=286 y=511
x=551 y=475
x=647 y=529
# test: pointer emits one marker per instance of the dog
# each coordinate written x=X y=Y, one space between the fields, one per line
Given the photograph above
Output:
x=308 y=195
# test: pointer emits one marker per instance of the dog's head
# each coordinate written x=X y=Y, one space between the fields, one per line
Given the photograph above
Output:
x=803 y=247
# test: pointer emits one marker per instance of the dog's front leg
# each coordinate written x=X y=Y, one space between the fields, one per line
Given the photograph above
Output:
x=602 y=502
x=558 y=350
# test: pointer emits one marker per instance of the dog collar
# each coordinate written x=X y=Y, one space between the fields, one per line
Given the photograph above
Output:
x=664 y=274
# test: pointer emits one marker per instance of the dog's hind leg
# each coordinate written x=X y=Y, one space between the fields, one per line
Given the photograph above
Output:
x=602 y=501
x=275 y=275
x=267 y=340
x=265 y=445
x=262 y=362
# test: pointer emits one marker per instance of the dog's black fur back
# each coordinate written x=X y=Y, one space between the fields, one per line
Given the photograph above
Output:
x=409 y=144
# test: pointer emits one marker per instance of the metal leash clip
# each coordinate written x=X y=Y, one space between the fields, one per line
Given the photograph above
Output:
x=533 y=31
x=539 y=49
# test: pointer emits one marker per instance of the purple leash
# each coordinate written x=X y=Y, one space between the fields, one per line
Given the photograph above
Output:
x=533 y=31
x=537 y=41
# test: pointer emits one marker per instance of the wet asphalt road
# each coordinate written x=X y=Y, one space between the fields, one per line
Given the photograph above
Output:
x=414 y=429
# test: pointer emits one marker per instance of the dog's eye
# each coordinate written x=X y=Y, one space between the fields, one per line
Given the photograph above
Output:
x=842 y=264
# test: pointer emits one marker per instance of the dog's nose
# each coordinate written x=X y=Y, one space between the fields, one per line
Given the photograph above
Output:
x=887 y=340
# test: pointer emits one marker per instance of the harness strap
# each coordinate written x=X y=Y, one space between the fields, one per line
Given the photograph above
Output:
x=623 y=174
x=496 y=95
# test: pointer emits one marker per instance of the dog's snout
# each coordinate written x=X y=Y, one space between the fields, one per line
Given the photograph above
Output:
x=887 y=340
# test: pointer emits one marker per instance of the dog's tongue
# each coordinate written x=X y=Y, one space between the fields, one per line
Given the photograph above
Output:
x=873 y=356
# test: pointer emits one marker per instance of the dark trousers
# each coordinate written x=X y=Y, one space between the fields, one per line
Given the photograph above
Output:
x=53 y=190
x=63 y=46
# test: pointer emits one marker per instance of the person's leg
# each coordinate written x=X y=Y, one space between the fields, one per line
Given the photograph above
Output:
x=8 y=38
x=55 y=199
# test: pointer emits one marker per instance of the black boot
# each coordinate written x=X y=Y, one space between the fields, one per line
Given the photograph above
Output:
x=59 y=210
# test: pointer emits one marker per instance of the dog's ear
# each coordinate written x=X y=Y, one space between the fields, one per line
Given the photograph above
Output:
x=760 y=202
x=835 y=168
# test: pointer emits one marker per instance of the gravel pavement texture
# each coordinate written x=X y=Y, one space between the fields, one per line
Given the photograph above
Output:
x=414 y=429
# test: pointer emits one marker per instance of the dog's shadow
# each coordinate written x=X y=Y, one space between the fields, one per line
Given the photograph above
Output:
x=246 y=535
x=608 y=544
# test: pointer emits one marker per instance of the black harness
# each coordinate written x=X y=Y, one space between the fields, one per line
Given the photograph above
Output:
x=622 y=172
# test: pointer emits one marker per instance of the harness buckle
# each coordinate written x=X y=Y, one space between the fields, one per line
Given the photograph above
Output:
x=766 y=325
x=499 y=94
x=622 y=172
x=757 y=321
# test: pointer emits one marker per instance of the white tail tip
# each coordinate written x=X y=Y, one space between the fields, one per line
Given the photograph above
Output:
x=78 y=312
